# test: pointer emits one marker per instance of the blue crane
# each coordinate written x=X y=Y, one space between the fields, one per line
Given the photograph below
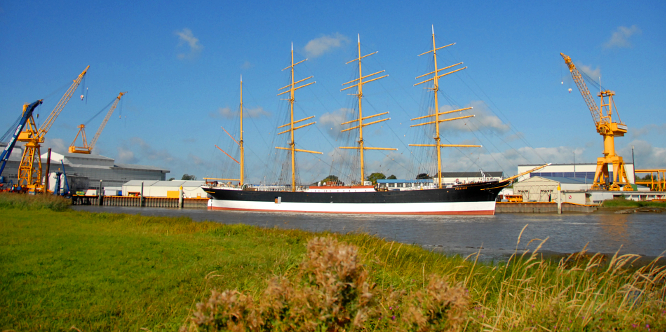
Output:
x=27 y=113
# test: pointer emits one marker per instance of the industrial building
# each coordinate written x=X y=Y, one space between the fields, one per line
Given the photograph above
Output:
x=544 y=189
x=575 y=181
x=576 y=171
x=170 y=189
x=96 y=168
x=84 y=171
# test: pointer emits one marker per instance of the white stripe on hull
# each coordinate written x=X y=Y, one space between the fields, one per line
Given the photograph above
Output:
x=485 y=208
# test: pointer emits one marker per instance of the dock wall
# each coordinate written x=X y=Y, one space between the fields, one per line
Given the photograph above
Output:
x=136 y=201
x=542 y=207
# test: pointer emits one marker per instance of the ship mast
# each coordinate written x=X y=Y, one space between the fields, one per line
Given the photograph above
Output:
x=359 y=89
x=292 y=144
x=239 y=142
x=435 y=88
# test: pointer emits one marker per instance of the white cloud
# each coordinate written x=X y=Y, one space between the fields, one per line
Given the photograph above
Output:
x=323 y=44
x=483 y=119
x=620 y=37
x=646 y=156
x=593 y=73
x=185 y=37
x=256 y=112
x=247 y=65
x=648 y=129
x=126 y=156
x=137 y=151
x=148 y=152
x=330 y=121
x=507 y=161
x=56 y=145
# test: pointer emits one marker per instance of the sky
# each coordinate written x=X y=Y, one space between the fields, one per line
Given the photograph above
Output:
x=181 y=63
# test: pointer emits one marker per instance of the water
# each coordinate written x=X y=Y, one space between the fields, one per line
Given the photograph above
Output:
x=642 y=233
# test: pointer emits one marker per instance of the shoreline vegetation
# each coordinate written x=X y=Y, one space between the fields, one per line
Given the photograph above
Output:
x=71 y=270
x=627 y=203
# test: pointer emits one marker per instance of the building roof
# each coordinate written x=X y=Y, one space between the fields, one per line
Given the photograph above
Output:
x=138 y=182
x=567 y=180
x=174 y=183
x=562 y=180
x=141 y=167
x=84 y=156
x=178 y=183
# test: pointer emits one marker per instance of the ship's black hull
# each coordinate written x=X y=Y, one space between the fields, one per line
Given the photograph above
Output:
x=475 y=198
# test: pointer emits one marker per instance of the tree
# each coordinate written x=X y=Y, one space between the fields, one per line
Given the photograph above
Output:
x=423 y=176
x=330 y=178
x=376 y=176
x=391 y=177
x=171 y=179
x=188 y=177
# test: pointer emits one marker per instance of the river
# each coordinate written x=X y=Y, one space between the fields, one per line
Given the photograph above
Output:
x=496 y=236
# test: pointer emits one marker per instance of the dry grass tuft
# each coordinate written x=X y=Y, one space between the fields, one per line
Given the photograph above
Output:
x=332 y=291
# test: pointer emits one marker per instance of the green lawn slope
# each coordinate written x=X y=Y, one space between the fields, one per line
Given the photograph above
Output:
x=63 y=270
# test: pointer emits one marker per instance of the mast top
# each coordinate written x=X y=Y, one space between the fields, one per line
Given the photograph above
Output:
x=359 y=123
x=434 y=117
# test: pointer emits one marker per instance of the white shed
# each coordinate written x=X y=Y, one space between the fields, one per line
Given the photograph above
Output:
x=537 y=189
x=191 y=189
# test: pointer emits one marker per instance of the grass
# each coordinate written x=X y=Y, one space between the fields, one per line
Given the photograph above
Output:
x=36 y=202
x=99 y=271
x=621 y=202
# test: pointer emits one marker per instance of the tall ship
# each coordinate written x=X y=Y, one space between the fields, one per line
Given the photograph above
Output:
x=430 y=198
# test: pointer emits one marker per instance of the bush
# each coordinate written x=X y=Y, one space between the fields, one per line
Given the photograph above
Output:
x=332 y=289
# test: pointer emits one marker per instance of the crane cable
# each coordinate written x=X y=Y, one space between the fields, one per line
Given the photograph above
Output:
x=11 y=130
x=100 y=111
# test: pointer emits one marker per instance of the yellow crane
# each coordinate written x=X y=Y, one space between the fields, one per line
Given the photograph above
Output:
x=29 y=177
x=87 y=148
x=608 y=129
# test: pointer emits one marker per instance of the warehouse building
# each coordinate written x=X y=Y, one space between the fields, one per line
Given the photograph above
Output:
x=170 y=189
x=574 y=190
x=585 y=172
x=96 y=168
x=84 y=171
x=544 y=189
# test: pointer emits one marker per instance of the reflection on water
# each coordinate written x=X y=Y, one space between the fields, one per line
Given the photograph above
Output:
x=642 y=234
x=614 y=227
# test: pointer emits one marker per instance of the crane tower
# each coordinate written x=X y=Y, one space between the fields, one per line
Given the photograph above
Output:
x=608 y=129
x=87 y=148
x=30 y=177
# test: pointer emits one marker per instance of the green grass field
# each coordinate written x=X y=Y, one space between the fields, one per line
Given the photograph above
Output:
x=621 y=203
x=62 y=269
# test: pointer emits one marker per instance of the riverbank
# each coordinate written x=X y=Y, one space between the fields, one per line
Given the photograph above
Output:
x=102 y=271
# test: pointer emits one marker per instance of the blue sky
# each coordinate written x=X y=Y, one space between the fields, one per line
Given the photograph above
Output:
x=181 y=62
